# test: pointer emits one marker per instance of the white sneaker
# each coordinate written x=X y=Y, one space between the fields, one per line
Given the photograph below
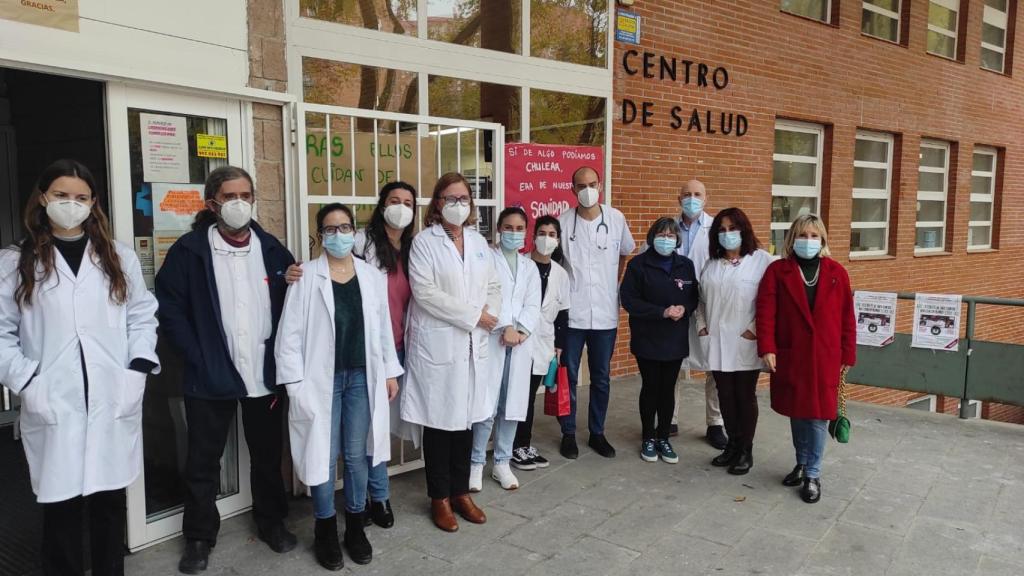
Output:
x=476 y=477
x=503 y=474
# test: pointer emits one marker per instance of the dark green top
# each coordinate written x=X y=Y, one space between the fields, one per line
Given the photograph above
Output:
x=349 y=350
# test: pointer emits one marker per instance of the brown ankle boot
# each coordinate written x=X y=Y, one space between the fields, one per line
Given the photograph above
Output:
x=464 y=505
x=441 y=511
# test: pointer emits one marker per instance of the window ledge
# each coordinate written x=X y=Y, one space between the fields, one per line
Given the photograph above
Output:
x=886 y=40
x=871 y=257
x=918 y=254
x=941 y=57
x=982 y=250
x=1004 y=74
x=809 y=19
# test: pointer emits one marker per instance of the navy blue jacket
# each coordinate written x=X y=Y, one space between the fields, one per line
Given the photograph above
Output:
x=647 y=289
x=190 y=316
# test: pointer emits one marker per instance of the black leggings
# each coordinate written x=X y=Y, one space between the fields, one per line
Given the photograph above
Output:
x=524 y=432
x=63 y=553
x=446 y=457
x=737 y=395
x=657 y=395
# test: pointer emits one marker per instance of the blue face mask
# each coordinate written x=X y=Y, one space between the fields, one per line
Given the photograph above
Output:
x=513 y=240
x=730 y=240
x=692 y=206
x=664 y=246
x=807 y=248
x=339 y=245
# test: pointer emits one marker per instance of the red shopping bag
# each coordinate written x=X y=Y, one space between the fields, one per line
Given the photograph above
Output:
x=556 y=402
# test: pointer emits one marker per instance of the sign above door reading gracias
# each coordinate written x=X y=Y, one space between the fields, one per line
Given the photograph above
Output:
x=651 y=66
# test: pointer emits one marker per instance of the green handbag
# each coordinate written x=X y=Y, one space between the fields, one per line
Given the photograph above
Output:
x=840 y=427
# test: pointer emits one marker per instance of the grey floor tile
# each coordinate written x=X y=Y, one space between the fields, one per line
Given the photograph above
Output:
x=811 y=521
x=679 y=554
x=936 y=547
x=588 y=557
x=889 y=511
x=995 y=567
x=724 y=519
x=850 y=550
x=557 y=530
x=766 y=552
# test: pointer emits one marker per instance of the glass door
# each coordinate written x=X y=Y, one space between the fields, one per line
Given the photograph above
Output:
x=163 y=145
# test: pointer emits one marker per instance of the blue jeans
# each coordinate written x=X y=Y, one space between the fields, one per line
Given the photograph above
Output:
x=380 y=486
x=809 y=437
x=505 y=433
x=350 y=424
x=600 y=345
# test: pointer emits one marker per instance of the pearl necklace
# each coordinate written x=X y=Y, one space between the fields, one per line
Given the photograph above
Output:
x=812 y=281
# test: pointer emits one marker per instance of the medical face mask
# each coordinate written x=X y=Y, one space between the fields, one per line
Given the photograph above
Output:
x=513 y=240
x=545 y=245
x=339 y=245
x=67 y=214
x=692 y=206
x=807 y=248
x=455 y=215
x=398 y=216
x=664 y=246
x=730 y=240
x=236 y=213
x=588 y=196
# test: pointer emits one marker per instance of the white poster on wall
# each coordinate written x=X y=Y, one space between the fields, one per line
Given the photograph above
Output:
x=164 y=148
x=175 y=205
x=876 y=317
x=937 y=322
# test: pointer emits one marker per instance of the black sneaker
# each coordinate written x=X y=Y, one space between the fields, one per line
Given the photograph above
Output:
x=598 y=443
x=569 y=450
x=717 y=438
x=522 y=460
x=539 y=460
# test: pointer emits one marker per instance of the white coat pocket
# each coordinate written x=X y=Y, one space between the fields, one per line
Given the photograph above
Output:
x=35 y=403
x=133 y=390
x=299 y=408
x=436 y=346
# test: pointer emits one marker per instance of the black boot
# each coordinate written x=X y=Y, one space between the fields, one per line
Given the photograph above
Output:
x=325 y=543
x=359 y=549
x=796 y=477
x=744 y=462
x=195 y=557
x=381 y=514
x=811 y=492
x=727 y=457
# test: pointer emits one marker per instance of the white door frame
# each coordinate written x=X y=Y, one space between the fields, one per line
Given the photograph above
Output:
x=237 y=113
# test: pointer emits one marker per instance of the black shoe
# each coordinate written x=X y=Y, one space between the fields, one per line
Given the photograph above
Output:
x=717 y=438
x=325 y=544
x=728 y=456
x=195 y=557
x=796 y=477
x=539 y=460
x=381 y=514
x=673 y=430
x=744 y=462
x=279 y=538
x=569 y=450
x=811 y=492
x=358 y=547
x=521 y=459
x=600 y=445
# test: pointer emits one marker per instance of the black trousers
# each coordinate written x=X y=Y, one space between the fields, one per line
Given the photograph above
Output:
x=63 y=551
x=524 y=431
x=208 y=424
x=446 y=461
x=737 y=396
x=657 y=395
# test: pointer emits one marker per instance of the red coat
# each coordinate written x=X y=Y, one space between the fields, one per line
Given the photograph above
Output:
x=809 y=347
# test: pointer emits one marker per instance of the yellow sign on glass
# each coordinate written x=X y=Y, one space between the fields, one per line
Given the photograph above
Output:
x=211 y=146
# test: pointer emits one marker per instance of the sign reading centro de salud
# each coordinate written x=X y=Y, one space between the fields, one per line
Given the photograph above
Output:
x=61 y=14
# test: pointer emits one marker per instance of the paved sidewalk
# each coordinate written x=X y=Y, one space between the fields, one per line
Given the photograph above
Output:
x=914 y=493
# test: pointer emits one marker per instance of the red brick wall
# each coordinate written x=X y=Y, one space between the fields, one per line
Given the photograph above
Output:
x=782 y=66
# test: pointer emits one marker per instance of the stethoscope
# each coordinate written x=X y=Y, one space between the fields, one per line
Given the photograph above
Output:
x=601 y=224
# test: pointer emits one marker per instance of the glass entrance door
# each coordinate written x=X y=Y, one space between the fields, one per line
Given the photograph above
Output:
x=163 y=145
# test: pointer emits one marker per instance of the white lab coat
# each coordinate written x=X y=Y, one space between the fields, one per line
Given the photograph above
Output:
x=447 y=355
x=74 y=449
x=556 y=299
x=728 y=297
x=304 y=352
x=592 y=252
x=699 y=254
x=520 y=307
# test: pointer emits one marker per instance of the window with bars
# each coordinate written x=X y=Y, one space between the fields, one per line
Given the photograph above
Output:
x=881 y=19
x=943 y=27
x=983 y=197
x=932 y=189
x=994 y=25
x=796 y=174
x=872 y=194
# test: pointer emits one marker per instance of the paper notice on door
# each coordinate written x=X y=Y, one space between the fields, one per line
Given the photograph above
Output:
x=162 y=241
x=164 y=148
x=144 y=250
x=60 y=14
x=175 y=205
x=937 y=322
x=876 y=317
x=211 y=146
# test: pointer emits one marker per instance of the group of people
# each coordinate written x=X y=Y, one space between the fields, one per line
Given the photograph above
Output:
x=438 y=337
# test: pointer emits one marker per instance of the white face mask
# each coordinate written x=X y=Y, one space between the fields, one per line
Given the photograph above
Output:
x=236 y=213
x=455 y=215
x=67 y=214
x=588 y=196
x=398 y=216
x=545 y=245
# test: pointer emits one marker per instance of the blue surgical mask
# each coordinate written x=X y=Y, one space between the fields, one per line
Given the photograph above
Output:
x=807 y=248
x=730 y=240
x=339 y=245
x=692 y=206
x=664 y=246
x=512 y=240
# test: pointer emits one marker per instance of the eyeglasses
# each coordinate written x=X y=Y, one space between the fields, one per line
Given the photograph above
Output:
x=340 y=229
x=232 y=253
x=453 y=200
